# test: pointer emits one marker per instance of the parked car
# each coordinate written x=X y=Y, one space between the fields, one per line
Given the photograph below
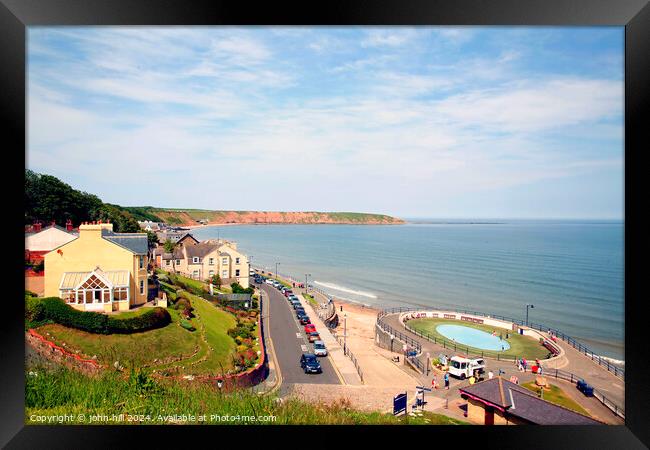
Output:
x=300 y=312
x=293 y=297
x=309 y=328
x=267 y=281
x=304 y=319
x=297 y=305
x=310 y=364
x=287 y=292
x=319 y=348
x=313 y=336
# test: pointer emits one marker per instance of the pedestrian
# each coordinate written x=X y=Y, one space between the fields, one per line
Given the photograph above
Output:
x=490 y=375
x=525 y=363
x=446 y=378
x=472 y=380
x=434 y=383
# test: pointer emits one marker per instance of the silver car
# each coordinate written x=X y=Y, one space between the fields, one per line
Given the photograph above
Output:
x=319 y=348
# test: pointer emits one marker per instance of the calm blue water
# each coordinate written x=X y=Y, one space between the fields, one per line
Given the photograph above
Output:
x=571 y=271
x=473 y=337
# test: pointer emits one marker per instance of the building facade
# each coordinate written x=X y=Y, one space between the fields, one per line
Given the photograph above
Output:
x=41 y=241
x=207 y=258
x=100 y=270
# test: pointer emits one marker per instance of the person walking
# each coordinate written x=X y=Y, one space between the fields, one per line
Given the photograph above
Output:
x=446 y=378
x=490 y=375
x=434 y=383
x=472 y=380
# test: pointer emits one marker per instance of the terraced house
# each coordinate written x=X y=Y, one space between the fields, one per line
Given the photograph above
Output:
x=100 y=270
x=206 y=259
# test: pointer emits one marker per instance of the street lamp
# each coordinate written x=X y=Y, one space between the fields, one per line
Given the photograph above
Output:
x=306 y=285
x=276 y=269
x=528 y=305
x=345 y=334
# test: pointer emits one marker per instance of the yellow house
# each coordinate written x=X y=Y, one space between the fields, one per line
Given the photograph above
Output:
x=100 y=270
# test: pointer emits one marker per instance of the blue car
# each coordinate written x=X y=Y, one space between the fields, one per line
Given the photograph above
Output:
x=310 y=364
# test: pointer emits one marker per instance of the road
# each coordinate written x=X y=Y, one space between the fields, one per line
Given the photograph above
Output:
x=289 y=342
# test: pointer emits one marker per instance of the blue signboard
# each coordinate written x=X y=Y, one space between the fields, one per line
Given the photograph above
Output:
x=399 y=404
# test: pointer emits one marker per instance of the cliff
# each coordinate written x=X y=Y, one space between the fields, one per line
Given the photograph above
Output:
x=187 y=217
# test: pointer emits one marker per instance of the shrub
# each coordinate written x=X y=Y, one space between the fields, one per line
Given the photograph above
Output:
x=154 y=318
x=187 y=325
x=238 y=289
x=39 y=267
x=34 y=312
x=30 y=293
x=54 y=309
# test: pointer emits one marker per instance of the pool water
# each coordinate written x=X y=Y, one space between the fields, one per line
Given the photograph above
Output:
x=472 y=337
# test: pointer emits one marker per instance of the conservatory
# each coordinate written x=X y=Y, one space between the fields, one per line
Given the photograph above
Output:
x=96 y=290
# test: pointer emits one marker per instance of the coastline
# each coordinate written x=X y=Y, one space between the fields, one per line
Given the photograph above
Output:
x=286 y=223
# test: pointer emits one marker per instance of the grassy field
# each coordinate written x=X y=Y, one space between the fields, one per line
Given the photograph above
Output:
x=62 y=391
x=557 y=396
x=130 y=350
x=520 y=346
x=208 y=350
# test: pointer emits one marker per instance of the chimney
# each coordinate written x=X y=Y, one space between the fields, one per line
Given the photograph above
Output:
x=37 y=226
x=68 y=225
x=53 y=222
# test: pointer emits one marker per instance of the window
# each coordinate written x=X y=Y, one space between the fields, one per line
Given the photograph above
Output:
x=237 y=272
x=178 y=261
x=167 y=262
x=225 y=274
x=141 y=287
x=141 y=261
x=121 y=294
x=195 y=260
x=224 y=261
x=236 y=260
x=212 y=261
x=211 y=273
x=195 y=274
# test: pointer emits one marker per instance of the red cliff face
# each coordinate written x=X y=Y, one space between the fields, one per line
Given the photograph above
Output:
x=188 y=218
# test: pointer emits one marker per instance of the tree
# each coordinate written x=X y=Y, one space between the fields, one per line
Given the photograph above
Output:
x=169 y=248
x=216 y=280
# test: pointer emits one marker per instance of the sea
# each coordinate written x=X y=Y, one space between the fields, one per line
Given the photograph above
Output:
x=571 y=271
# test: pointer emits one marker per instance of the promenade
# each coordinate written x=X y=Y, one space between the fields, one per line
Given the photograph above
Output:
x=574 y=362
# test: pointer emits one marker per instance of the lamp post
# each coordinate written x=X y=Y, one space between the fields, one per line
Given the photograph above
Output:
x=276 y=269
x=306 y=285
x=528 y=305
x=345 y=334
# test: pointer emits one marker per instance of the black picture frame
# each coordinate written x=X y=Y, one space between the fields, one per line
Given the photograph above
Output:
x=16 y=15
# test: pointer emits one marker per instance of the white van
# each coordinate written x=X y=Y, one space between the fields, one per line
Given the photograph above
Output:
x=464 y=368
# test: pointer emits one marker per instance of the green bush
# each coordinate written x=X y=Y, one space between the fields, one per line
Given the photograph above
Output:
x=154 y=318
x=238 y=289
x=187 y=325
x=30 y=293
x=55 y=310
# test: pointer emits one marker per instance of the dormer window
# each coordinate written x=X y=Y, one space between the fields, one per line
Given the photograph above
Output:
x=236 y=260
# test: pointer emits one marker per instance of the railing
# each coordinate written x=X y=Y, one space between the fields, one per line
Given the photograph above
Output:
x=349 y=354
x=404 y=338
x=617 y=371
x=568 y=376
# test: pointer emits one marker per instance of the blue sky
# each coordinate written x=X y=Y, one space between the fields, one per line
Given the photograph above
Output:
x=410 y=121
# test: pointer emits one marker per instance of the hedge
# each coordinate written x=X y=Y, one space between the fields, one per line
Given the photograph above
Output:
x=54 y=309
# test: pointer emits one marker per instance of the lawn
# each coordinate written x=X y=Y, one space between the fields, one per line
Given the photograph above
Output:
x=310 y=299
x=171 y=349
x=520 y=346
x=216 y=323
x=557 y=396
x=131 y=350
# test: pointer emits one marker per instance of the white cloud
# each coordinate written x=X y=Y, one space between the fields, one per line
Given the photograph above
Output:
x=390 y=38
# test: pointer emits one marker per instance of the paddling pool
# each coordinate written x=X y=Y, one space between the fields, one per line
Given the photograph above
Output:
x=472 y=337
